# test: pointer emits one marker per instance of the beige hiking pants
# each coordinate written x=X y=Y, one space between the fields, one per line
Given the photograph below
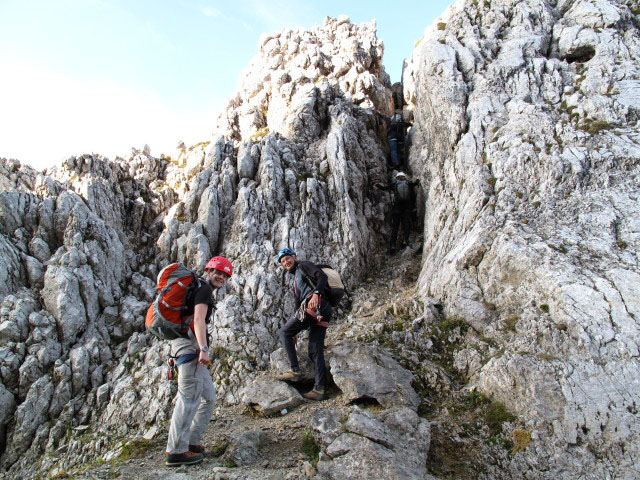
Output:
x=194 y=405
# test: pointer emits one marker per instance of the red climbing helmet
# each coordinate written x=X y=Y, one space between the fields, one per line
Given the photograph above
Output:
x=220 y=263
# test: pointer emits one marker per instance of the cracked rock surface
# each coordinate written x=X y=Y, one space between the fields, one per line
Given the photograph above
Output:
x=526 y=119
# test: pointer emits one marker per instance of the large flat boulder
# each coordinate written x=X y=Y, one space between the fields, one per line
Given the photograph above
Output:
x=270 y=396
x=369 y=372
x=392 y=445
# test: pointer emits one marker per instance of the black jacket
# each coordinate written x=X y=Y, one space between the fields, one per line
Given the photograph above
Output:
x=302 y=289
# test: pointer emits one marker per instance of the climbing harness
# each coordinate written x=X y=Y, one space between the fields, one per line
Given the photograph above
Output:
x=304 y=310
x=172 y=371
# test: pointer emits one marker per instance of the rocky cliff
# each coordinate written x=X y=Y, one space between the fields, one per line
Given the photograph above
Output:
x=526 y=118
x=525 y=140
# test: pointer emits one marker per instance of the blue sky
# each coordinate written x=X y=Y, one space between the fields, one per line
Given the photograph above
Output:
x=102 y=76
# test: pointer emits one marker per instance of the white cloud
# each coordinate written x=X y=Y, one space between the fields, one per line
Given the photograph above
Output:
x=47 y=117
x=278 y=14
x=149 y=30
x=211 y=12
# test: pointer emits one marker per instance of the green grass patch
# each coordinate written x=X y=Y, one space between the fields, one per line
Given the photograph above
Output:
x=219 y=447
x=477 y=406
x=495 y=415
x=260 y=134
x=135 y=448
x=199 y=144
x=592 y=127
x=304 y=176
x=546 y=356
x=467 y=403
x=311 y=448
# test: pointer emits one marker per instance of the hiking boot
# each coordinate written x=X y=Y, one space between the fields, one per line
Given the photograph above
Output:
x=196 y=448
x=315 y=395
x=186 y=458
x=291 y=376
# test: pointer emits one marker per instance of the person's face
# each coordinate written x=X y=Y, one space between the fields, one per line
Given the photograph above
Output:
x=217 y=278
x=287 y=262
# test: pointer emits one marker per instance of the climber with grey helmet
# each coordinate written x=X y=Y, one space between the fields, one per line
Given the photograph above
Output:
x=313 y=312
x=196 y=397
x=403 y=203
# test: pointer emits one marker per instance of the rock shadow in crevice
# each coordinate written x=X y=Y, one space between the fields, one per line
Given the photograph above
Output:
x=302 y=386
x=581 y=54
x=366 y=402
x=306 y=385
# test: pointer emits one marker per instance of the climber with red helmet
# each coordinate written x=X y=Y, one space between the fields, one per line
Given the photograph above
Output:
x=196 y=396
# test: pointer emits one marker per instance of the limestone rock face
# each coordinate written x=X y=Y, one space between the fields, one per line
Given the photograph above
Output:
x=290 y=80
x=526 y=136
x=392 y=446
x=15 y=176
x=363 y=372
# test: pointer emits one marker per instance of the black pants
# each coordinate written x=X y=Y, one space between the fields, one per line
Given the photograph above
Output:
x=316 y=346
x=398 y=216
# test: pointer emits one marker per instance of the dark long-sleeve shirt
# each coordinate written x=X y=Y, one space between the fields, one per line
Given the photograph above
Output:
x=303 y=289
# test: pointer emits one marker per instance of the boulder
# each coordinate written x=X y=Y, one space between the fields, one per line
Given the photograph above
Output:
x=270 y=397
x=392 y=445
x=244 y=449
x=369 y=372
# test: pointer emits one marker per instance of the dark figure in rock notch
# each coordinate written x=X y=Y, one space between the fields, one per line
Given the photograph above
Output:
x=396 y=137
x=403 y=203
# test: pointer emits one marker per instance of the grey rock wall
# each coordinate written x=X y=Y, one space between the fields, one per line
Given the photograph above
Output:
x=526 y=135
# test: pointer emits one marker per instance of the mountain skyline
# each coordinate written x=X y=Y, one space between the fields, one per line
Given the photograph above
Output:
x=105 y=76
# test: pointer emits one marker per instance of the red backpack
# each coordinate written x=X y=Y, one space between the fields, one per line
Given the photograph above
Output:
x=165 y=316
